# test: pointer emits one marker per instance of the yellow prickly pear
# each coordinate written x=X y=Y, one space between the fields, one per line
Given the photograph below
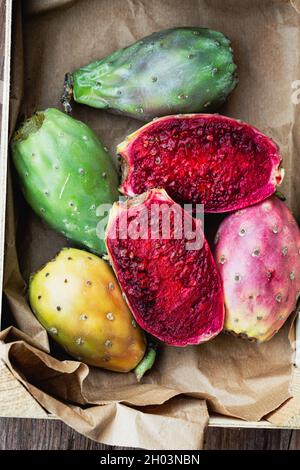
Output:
x=78 y=300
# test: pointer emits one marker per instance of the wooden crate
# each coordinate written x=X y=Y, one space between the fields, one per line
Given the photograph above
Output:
x=15 y=400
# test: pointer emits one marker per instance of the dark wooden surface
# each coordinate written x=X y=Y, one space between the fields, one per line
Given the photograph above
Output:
x=2 y=12
x=43 y=434
x=48 y=434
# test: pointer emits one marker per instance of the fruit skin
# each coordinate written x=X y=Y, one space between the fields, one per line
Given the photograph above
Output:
x=77 y=299
x=175 y=294
x=257 y=251
x=175 y=70
x=65 y=173
x=210 y=159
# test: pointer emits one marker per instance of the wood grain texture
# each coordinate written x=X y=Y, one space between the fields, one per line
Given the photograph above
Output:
x=2 y=35
x=14 y=399
x=53 y=434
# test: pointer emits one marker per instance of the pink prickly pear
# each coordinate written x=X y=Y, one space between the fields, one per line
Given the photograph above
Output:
x=257 y=251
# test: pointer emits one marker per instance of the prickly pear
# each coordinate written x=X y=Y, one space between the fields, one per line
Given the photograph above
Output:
x=257 y=251
x=65 y=173
x=166 y=269
x=78 y=300
x=201 y=158
x=171 y=71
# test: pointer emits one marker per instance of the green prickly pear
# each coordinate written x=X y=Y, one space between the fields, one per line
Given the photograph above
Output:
x=65 y=173
x=77 y=299
x=180 y=70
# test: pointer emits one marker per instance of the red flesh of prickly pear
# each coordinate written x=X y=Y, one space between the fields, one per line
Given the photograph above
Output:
x=220 y=162
x=174 y=293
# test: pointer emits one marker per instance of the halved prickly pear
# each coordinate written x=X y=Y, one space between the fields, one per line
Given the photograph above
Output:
x=65 y=173
x=257 y=251
x=201 y=158
x=76 y=297
x=165 y=268
x=175 y=70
